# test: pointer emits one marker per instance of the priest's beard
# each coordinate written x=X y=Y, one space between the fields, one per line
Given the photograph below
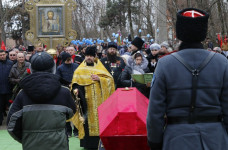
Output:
x=90 y=63
x=112 y=57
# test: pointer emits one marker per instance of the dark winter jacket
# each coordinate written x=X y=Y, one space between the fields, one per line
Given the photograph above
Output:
x=170 y=95
x=5 y=67
x=16 y=74
x=38 y=115
x=66 y=71
x=150 y=66
x=117 y=70
x=126 y=79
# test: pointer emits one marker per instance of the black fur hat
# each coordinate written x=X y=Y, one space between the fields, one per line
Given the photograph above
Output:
x=112 y=44
x=30 y=49
x=91 y=51
x=191 y=25
x=138 y=42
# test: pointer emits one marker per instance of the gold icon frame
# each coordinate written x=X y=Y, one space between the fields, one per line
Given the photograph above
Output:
x=52 y=39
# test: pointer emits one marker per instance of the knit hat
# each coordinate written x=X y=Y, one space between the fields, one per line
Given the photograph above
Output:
x=191 y=25
x=155 y=46
x=64 y=56
x=165 y=44
x=138 y=42
x=112 y=44
x=91 y=51
x=42 y=62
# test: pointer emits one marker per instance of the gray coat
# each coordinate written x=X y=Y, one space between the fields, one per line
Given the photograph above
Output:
x=16 y=74
x=171 y=95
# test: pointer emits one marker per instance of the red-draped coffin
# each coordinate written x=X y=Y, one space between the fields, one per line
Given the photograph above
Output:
x=122 y=120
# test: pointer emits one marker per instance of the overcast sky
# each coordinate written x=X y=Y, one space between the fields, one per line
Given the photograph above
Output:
x=7 y=2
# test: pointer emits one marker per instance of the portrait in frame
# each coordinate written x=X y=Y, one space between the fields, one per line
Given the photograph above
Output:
x=50 y=21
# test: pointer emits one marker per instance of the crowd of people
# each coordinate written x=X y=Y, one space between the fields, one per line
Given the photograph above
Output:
x=89 y=72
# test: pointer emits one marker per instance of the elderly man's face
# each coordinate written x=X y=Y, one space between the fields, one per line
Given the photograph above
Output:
x=71 y=51
x=20 y=58
x=12 y=55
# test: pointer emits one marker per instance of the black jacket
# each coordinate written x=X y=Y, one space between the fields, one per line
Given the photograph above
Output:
x=150 y=66
x=5 y=67
x=66 y=71
x=117 y=70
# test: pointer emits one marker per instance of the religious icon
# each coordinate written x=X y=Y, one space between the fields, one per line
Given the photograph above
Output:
x=50 y=24
x=50 y=21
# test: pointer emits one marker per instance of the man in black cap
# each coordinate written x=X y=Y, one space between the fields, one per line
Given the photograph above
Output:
x=113 y=63
x=93 y=84
x=67 y=68
x=190 y=87
x=37 y=118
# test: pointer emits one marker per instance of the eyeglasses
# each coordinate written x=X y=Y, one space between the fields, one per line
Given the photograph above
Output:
x=12 y=55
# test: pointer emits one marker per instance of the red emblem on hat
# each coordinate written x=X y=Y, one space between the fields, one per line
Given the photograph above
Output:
x=192 y=13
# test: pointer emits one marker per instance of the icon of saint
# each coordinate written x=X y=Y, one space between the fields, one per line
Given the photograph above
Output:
x=50 y=24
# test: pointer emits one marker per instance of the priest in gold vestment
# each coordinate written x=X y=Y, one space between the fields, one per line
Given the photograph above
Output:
x=93 y=84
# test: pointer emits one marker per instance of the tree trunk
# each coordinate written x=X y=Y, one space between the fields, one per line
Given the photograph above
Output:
x=189 y=3
x=162 y=35
x=148 y=17
x=211 y=27
x=76 y=24
x=3 y=34
x=23 y=25
x=83 y=23
x=94 y=20
x=220 y=12
x=130 y=19
x=139 y=17
x=225 y=16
